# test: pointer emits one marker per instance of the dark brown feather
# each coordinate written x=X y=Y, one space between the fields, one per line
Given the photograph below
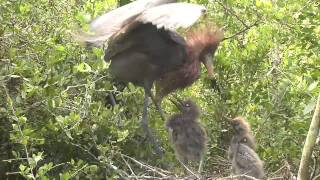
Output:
x=200 y=42
x=188 y=137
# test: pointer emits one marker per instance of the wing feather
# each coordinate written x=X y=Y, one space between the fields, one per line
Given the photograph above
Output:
x=112 y=20
x=109 y=24
x=172 y=16
x=169 y=16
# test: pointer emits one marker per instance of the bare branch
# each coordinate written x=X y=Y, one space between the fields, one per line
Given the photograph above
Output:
x=153 y=169
x=128 y=165
x=242 y=31
x=303 y=173
x=233 y=13
x=238 y=176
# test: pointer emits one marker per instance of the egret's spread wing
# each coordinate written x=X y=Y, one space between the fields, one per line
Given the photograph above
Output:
x=172 y=16
x=117 y=16
x=105 y=26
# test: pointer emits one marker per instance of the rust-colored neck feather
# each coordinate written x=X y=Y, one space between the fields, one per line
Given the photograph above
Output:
x=203 y=40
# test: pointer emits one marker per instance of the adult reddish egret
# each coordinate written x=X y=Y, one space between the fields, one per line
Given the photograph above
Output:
x=144 y=47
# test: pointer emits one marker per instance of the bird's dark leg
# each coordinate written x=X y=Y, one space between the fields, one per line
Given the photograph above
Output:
x=112 y=99
x=158 y=106
x=144 y=121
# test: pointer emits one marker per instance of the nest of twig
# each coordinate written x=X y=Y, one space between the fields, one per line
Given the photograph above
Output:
x=147 y=171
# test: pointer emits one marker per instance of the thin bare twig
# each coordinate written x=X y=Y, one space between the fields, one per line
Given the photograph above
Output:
x=242 y=31
x=158 y=171
x=316 y=177
x=78 y=170
x=275 y=178
x=233 y=13
x=128 y=165
x=195 y=174
x=238 y=176
x=121 y=172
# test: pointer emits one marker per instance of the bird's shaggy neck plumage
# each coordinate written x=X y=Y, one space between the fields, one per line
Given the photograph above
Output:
x=243 y=132
x=199 y=43
x=203 y=41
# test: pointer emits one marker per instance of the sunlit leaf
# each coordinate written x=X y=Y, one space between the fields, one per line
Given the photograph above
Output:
x=312 y=86
x=83 y=67
x=309 y=107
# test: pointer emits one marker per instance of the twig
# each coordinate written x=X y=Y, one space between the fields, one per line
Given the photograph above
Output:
x=147 y=177
x=121 y=172
x=17 y=159
x=238 y=176
x=189 y=170
x=233 y=13
x=126 y=162
x=77 y=171
x=279 y=169
x=10 y=104
x=314 y=168
x=316 y=177
x=275 y=178
x=75 y=86
x=85 y=150
x=11 y=173
x=242 y=31
x=153 y=169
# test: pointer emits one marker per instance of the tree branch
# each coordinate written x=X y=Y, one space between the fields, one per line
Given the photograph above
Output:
x=233 y=13
x=242 y=31
x=303 y=173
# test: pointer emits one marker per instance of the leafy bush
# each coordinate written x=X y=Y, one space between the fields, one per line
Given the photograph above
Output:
x=55 y=117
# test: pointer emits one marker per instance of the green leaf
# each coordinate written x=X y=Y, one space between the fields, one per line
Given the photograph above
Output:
x=24 y=141
x=14 y=153
x=68 y=133
x=22 y=120
x=24 y=8
x=65 y=176
x=312 y=86
x=22 y=167
x=309 y=107
x=37 y=157
x=60 y=47
x=122 y=135
x=92 y=168
x=97 y=51
x=15 y=127
x=30 y=176
x=83 y=67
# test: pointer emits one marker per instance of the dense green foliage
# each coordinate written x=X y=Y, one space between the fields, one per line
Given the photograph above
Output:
x=55 y=120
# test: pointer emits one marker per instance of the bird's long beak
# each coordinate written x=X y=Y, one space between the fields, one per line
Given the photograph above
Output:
x=177 y=102
x=209 y=66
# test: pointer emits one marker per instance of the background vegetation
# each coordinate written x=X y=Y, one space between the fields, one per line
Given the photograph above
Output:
x=56 y=120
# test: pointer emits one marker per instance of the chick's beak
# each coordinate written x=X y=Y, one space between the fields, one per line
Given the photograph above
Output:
x=209 y=66
x=177 y=102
